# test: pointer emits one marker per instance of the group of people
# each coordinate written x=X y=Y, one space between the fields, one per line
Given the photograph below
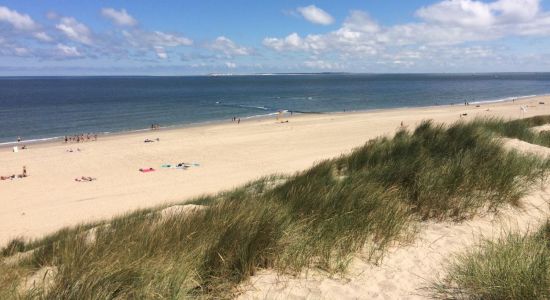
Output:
x=85 y=178
x=81 y=138
x=13 y=176
x=155 y=126
x=235 y=119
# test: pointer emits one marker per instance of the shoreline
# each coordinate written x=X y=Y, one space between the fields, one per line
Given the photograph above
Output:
x=229 y=155
x=59 y=139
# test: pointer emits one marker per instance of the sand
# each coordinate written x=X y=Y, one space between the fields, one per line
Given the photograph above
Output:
x=229 y=154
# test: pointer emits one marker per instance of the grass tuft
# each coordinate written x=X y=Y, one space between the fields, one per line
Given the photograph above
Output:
x=513 y=267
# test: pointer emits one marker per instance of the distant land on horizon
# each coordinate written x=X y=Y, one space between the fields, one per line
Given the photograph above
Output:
x=271 y=74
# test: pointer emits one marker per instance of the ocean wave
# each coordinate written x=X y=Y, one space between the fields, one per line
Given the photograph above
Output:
x=31 y=141
x=506 y=99
x=242 y=105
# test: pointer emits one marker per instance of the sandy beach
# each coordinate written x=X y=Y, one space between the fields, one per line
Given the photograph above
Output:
x=229 y=155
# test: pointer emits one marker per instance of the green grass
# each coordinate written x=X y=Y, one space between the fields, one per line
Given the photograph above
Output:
x=447 y=173
x=318 y=218
x=513 y=267
x=519 y=129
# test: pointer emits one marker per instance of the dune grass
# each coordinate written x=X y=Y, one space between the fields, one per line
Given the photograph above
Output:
x=318 y=218
x=513 y=267
x=519 y=129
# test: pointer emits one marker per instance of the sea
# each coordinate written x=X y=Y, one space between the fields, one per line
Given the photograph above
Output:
x=45 y=108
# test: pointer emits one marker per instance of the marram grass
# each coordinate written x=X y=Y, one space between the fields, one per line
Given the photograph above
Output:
x=515 y=266
x=318 y=218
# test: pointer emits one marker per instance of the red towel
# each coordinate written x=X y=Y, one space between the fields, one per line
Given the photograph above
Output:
x=147 y=170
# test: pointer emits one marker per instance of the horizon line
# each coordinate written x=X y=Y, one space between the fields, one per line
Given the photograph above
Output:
x=287 y=73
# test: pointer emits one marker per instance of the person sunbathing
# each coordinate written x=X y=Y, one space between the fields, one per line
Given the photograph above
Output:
x=85 y=178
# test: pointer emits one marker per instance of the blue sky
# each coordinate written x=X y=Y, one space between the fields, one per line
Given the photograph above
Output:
x=61 y=37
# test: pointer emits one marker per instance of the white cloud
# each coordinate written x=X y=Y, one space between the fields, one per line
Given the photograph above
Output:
x=321 y=65
x=291 y=42
x=447 y=33
x=515 y=10
x=458 y=12
x=315 y=15
x=228 y=47
x=169 y=40
x=21 y=51
x=43 y=36
x=471 y=13
x=161 y=52
x=449 y=22
x=74 y=30
x=146 y=39
x=438 y=38
x=17 y=20
x=23 y=25
x=360 y=21
x=120 y=17
x=8 y=49
x=68 y=51
x=157 y=41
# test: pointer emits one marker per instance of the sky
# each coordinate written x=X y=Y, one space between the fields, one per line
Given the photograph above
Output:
x=170 y=37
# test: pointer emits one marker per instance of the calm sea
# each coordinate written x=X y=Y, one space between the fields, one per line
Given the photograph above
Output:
x=48 y=107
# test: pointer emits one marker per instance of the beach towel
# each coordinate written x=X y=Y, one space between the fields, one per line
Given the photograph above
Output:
x=147 y=170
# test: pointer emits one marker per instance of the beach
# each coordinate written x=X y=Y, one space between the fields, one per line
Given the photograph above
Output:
x=227 y=155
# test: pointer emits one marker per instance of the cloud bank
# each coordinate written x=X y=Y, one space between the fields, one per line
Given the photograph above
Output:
x=441 y=27
x=447 y=35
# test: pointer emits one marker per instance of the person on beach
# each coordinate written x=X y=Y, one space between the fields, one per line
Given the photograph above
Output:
x=239 y=121
x=24 y=171
x=18 y=139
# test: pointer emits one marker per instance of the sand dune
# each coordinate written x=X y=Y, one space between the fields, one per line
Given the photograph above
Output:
x=406 y=272
x=229 y=155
